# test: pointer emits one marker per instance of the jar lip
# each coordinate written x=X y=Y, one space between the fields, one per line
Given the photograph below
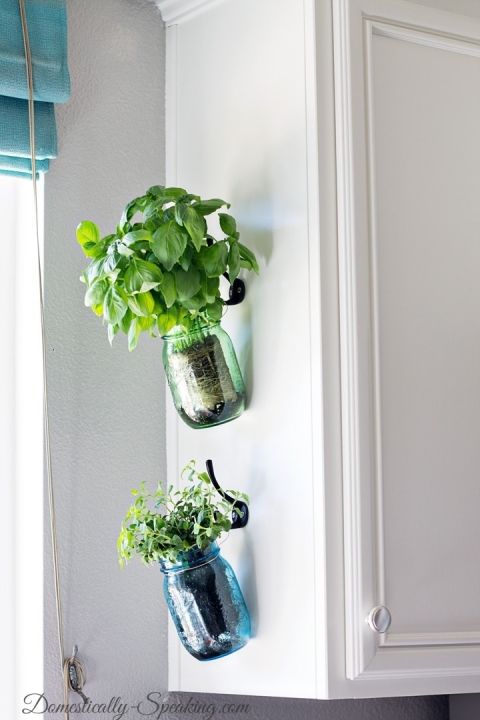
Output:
x=174 y=333
x=190 y=559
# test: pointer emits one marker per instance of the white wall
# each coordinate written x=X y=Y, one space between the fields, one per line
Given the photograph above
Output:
x=107 y=405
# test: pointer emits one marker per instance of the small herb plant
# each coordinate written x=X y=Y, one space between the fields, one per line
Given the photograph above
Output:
x=161 y=525
x=162 y=271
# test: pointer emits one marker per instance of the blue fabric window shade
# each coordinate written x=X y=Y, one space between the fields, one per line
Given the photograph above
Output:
x=47 y=26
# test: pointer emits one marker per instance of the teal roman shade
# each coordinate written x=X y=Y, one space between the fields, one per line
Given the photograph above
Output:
x=47 y=27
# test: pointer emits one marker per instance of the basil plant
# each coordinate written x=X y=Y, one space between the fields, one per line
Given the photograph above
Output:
x=161 y=268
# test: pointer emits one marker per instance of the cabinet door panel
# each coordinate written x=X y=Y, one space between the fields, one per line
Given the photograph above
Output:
x=409 y=162
x=427 y=184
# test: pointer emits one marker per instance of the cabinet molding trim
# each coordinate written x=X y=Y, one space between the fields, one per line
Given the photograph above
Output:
x=414 y=674
x=423 y=36
x=348 y=335
x=175 y=12
x=427 y=639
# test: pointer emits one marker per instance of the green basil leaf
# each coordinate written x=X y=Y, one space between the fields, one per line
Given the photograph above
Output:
x=95 y=271
x=248 y=257
x=134 y=206
x=135 y=236
x=124 y=250
x=168 y=290
x=188 y=198
x=111 y=261
x=227 y=223
x=137 y=326
x=169 y=214
x=169 y=243
x=159 y=302
x=114 y=305
x=133 y=278
x=206 y=207
x=156 y=190
x=173 y=193
x=111 y=332
x=87 y=231
x=214 y=259
x=142 y=304
x=215 y=310
x=134 y=333
x=187 y=283
x=88 y=236
x=95 y=294
x=186 y=260
x=152 y=214
x=197 y=302
x=146 y=323
x=212 y=289
x=233 y=261
x=194 y=224
x=167 y=321
x=151 y=274
x=126 y=320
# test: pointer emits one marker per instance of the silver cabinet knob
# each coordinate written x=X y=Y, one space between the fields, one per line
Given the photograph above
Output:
x=379 y=619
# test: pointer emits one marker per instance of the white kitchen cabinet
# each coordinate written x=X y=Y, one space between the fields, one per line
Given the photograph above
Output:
x=346 y=134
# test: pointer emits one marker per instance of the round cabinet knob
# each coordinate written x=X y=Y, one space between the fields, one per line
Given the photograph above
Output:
x=379 y=619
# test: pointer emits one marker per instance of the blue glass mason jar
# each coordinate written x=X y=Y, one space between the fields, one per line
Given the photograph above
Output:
x=204 y=376
x=206 y=604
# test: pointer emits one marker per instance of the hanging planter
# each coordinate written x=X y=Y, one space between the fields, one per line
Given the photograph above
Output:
x=204 y=376
x=179 y=530
x=205 y=603
x=162 y=275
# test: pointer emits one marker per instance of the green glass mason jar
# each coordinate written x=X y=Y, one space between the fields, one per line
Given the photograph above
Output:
x=203 y=375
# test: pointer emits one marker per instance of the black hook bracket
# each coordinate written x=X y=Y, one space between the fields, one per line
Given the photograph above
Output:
x=240 y=513
x=236 y=293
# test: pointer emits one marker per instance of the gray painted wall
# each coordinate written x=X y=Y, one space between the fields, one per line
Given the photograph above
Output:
x=108 y=406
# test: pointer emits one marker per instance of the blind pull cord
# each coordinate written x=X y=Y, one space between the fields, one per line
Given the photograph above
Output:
x=71 y=668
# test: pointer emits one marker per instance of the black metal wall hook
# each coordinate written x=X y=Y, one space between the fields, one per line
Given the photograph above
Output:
x=240 y=512
x=236 y=293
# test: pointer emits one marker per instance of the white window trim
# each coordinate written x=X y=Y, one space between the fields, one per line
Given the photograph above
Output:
x=21 y=448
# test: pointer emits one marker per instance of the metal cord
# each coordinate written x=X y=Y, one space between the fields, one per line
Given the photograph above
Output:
x=65 y=664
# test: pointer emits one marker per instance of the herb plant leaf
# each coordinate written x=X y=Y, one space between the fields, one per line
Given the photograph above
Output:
x=114 y=305
x=214 y=259
x=168 y=289
x=248 y=256
x=194 y=224
x=207 y=207
x=151 y=274
x=233 y=261
x=227 y=223
x=169 y=243
x=187 y=283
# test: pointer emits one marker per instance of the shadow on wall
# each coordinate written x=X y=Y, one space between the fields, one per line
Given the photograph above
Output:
x=205 y=707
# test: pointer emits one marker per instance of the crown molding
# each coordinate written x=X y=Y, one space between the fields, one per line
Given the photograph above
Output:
x=175 y=12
